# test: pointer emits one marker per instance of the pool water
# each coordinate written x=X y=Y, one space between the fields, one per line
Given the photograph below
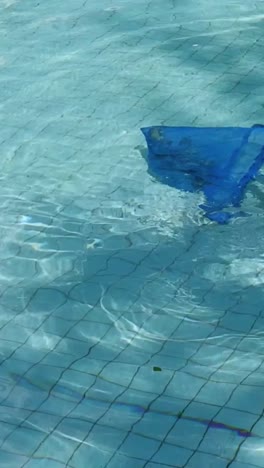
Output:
x=131 y=329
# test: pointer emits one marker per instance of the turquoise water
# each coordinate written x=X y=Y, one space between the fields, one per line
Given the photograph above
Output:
x=131 y=329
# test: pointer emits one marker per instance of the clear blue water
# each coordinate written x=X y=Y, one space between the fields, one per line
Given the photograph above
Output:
x=131 y=329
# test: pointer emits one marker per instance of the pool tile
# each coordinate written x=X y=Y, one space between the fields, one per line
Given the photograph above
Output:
x=167 y=362
x=224 y=339
x=215 y=393
x=229 y=375
x=57 y=446
x=46 y=300
x=234 y=418
x=201 y=411
x=95 y=455
x=32 y=321
x=204 y=372
x=184 y=385
x=56 y=326
x=129 y=416
x=121 y=460
x=183 y=350
x=158 y=324
x=56 y=406
x=258 y=325
x=105 y=438
x=200 y=459
x=238 y=322
x=74 y=347
x=119 y=373
x=42 y=377
x=74 y=429
x=151 y=381
x=154 y=425
x=187 y=433
x=87 y=331
x=8 y=348
x=246 y=398
x=169 y=405
x=136 y=399
x=71 y=310
x=244 y=361
x=172 y=455
x=255 y=379
x=14 y=298
x=219 y=301
x=100 y=350
x=139 y=447
x=103 y=390
x=159 y=465
x=73 y=385
x=98 y=315
x=26 y=395
x=148 y=346
x=248 y=309
x=86 y=293
x=44 y=342
x=88 y=365
x=220 y=442
x=41 y=422
x=8 y=131
x=58 y=360
x=42 y=463
x=12 y=372
x=15 y=369
x=212 y=356
x=15 y=333
x=248 y=342
x=24 y=353
x=6 y=429
x=251 y=452
x=23 y=441
x=131 y=356
x=193 y=331
x=258 y=429
x=11 y=460
x=13 y=415
x=236 y=464
x=89 y=409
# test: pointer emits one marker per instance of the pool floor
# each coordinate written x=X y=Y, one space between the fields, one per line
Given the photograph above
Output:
x=131 y=329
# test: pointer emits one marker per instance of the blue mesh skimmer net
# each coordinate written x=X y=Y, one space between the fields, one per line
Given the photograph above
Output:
x=217 y=161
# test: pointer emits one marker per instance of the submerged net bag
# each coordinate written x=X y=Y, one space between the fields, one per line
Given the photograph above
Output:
x=217 y=161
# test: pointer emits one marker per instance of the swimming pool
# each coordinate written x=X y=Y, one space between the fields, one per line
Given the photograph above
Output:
x=131 y=328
